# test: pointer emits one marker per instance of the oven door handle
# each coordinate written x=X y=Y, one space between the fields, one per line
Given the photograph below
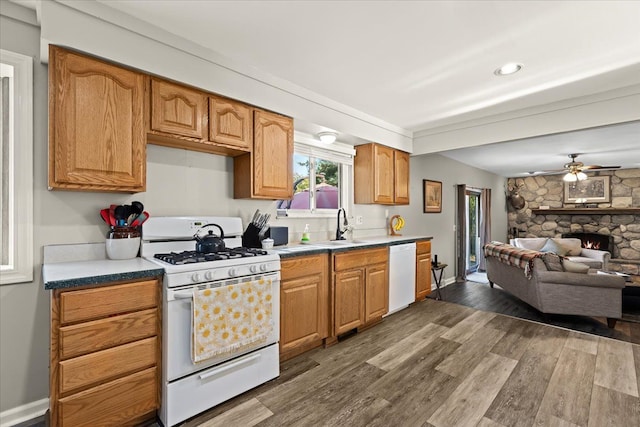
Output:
x=183 y=295
x=243 y=361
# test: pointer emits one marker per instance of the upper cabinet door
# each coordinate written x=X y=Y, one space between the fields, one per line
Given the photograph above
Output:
x=272 y=156
x=401 y=169
x=383 y=178
x=230 y=123
x=178 y=110
x=96 y=125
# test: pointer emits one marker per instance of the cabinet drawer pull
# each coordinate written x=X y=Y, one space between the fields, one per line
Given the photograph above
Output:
x=243 y=361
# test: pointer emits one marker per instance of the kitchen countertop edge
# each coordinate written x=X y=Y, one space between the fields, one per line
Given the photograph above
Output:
x=375 y=243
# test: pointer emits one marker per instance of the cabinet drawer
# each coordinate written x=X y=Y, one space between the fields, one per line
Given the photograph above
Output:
x=89 y=304
x=303 y=265
x=118 y=403
x=83 y=338
x=423 y=247
x=359 y=258
x=93 y=368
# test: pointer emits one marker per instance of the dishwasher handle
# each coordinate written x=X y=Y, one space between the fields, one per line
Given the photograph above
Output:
x=403 y=247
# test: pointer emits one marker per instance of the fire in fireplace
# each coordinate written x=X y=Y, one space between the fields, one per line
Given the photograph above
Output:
x=598 y=241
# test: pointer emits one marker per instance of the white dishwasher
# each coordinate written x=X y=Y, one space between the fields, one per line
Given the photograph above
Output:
x=402 y=276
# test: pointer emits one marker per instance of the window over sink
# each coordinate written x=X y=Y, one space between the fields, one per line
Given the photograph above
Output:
x=321 y=178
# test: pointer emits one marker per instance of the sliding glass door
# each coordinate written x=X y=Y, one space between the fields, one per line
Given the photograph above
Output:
x=472 y=204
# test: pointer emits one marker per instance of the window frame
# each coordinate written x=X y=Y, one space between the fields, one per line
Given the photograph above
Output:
x=337 y=152
x=20 y=229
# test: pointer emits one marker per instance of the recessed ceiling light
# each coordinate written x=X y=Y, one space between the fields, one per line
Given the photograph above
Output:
x=507 y=69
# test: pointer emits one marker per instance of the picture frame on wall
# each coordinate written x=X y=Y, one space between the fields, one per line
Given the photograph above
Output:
x=432 y=196
x=595 y=189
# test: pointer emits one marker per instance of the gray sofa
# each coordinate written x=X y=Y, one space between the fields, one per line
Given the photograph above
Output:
x=591 y=257
x=560 y=292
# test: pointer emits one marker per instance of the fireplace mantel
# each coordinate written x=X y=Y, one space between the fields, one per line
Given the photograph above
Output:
x=587 y=211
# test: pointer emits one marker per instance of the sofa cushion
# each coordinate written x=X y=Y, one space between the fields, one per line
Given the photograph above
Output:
x=573 y=246
x=591 y=262
x=533 y=243
x=553 y=262
x=574 y=267
x=554 y=247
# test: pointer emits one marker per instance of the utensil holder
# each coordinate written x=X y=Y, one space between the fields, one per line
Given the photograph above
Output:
x=251 y=237
x=122 y=242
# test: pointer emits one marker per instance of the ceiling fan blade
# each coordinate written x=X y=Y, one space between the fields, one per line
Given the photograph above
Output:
x=547 y=172
x=598 y=167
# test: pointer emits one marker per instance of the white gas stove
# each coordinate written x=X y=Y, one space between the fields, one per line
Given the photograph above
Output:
x=189 y=387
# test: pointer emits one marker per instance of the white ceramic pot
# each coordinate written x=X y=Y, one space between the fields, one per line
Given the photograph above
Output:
x=123 y=248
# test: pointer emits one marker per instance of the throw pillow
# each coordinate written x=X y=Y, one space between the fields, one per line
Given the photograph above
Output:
x=553 y=262
x=553 y=247
x=574 y=267
x=573 y=246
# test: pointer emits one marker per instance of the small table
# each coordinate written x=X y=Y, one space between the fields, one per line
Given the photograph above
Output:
x=438 y=267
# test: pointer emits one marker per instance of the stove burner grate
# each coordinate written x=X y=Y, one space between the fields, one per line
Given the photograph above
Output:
x=191 y=257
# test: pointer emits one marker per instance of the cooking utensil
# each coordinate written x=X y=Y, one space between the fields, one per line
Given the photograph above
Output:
x=112 y=215
x=140 y=219
x=104 y=214
x=210 y=242
x=137 y=208
x=119 y=214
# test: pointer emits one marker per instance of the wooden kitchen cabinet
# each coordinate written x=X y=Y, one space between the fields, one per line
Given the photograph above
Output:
x=105 y=354
x=96 y=125
x=266 y=172
x=423 y=269
x=304 y=304
x=177 y=110
x=361 y=288
x=230 y=123
x=381 y=175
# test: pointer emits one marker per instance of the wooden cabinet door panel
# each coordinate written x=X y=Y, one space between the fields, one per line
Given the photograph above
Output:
x=272 y=156
x=94 y=303
x=96 y=125
x=83 y=338
x=230 y=123
x=91 y=369
x=121 y=402
x=376 y=292
x=178 y=110
x=349 y=300
x=423 y=247
x=359 y=258
x=423 y=275
x=383 y=178
x=302 y=320
x=401 y=177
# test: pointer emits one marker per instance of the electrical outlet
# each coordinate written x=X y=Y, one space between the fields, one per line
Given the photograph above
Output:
x=359 y=220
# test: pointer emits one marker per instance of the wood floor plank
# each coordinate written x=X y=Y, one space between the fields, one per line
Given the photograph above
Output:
x=517 y=403
x=311 y=406
x=559 y=422
x=246 y=414
x=548 y=341
x=582 y=342
x=615 y=367
x=403 y=350
x=467 y=327
x=612 y=408
x=488 y=422
x=517 y=337
x=464 y=360
x=468 y=403
x=359 y=412
x=568 y=395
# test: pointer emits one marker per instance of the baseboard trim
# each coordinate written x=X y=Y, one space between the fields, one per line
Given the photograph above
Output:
x=23 y=413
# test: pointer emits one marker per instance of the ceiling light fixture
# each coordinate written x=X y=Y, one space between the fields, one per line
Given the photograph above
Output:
x=327 y=137
x=574 y=176
x=507 y=69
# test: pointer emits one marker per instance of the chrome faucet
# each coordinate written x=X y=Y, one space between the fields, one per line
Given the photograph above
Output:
x=339 y=231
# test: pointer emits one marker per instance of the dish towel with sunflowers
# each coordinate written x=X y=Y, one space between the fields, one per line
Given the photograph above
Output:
x=228 y=318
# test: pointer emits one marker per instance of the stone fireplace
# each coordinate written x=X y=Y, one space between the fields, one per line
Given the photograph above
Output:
x=545 y=214
x=602 y=242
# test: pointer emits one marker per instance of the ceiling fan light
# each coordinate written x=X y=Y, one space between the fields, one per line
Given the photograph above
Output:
x=581 y=176
x=570 y=177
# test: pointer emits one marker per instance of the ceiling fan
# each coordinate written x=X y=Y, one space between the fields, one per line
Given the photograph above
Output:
x=574 y=169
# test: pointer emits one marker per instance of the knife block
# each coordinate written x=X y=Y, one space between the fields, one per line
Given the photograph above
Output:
x=251 y=237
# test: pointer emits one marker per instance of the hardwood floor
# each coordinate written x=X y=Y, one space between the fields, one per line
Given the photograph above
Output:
x=443 y=364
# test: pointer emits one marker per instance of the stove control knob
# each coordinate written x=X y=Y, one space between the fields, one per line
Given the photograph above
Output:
x=208 y=275
x=253 y=268
x=195 y=278
x=232 y=272
x=263 y=267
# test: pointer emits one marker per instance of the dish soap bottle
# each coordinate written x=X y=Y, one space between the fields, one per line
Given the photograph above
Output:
x=305 y=235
